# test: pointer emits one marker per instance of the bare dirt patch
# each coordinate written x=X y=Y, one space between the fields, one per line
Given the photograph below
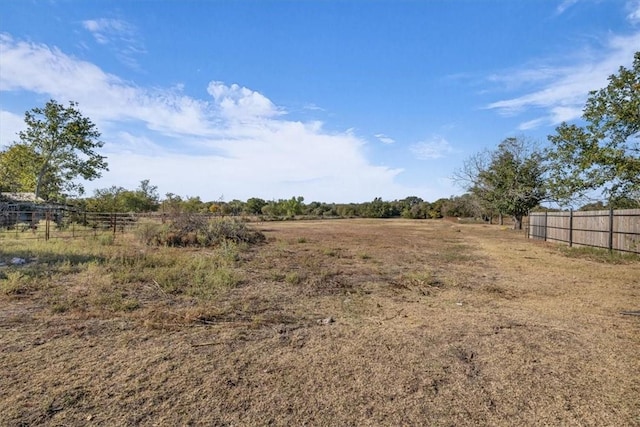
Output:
x=345 y=322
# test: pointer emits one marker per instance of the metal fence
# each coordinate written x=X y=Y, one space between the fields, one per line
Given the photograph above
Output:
x=616 y=230
x=63 y=224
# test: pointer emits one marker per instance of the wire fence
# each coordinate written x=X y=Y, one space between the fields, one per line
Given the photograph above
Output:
x=616 y=230
x=63 y=224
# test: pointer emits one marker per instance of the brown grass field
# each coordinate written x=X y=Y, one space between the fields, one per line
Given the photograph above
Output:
x=328 y=323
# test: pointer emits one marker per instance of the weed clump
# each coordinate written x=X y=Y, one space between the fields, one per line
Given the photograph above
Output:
x=197 y=230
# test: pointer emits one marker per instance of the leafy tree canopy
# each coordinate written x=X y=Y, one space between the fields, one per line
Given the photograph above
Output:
x=605 y=153
x=59 y=145
x=118 y=199
x=18 y=170
x=509 y=180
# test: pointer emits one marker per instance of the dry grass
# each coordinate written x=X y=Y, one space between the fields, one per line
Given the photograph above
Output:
x=345 y=322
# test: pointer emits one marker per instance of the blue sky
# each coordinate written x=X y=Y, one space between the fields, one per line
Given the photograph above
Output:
x=333 y=100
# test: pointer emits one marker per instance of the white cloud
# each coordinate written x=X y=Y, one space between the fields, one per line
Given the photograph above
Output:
x=240 y=103
x=103 y=29
x=104 y=97
x=561 y=91
x=236 y=143
x=313 y=107
x=566 y=4
x=634 y=12
x=437 y=148
x=121 y=36
x=384 y=138
x=10 y=125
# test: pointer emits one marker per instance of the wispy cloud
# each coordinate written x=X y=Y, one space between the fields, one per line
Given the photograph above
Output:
x=634 y=11
x=384 y=138
x=557 y=93
x=118 y=35
x=10 y=125
x=105 y=30
x=237 y=141
x=435 y=148
x=313 y=107
x=564 y=5
x=45 y=70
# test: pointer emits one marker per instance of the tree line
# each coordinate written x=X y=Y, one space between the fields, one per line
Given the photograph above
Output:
x=146 y=198
x=600 y=157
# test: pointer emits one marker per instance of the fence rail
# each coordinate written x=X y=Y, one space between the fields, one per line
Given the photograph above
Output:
x=616 y=230
x=61 y=224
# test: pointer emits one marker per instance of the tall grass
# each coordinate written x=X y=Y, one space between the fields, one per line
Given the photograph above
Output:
x=116 y=274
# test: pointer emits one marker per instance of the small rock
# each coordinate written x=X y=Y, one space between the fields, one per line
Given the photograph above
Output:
x=326 y=321
x=459 y=303
x=18 y=261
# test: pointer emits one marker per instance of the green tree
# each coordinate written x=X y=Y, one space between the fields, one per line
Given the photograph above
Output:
x=465 y=206
x=18 y=169
x=436 y=208
x=320 y=209
x=510 y=179
x=378 y=208
x=605 y=153
x=118 y=199
x=148 y=196
x=254 y=206
x=294 y=206
x=64 y=143
x=172 y=204
x=106 y=200
x=347 y=210
x=193 y=205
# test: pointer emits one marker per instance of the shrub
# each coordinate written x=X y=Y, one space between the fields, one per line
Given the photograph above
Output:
x=230 y=230
x=197 y=230
x=14 y=283
x=148 y=231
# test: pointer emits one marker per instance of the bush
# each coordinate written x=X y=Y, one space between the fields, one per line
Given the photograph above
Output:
x=197 y=230
x=230 y=230
x=147 y=231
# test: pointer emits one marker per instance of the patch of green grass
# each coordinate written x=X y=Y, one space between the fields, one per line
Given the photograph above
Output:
x=116 y=276
x=455 y=254
x=60 y=307
x=228 y=252
x=276 y=275
x=14 y=283
x=207 y=285
x=113 y=299
x=294 y=278
x=602 y=255
x=332 y=252
x=106 y=239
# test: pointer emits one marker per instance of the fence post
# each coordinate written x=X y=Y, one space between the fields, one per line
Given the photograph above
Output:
x=47 y=225
x=546 y=214
x=115 y=223
x=571 y=227
x=610 y=229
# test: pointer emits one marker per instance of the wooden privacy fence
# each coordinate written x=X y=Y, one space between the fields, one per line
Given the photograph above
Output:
x=617 y=230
